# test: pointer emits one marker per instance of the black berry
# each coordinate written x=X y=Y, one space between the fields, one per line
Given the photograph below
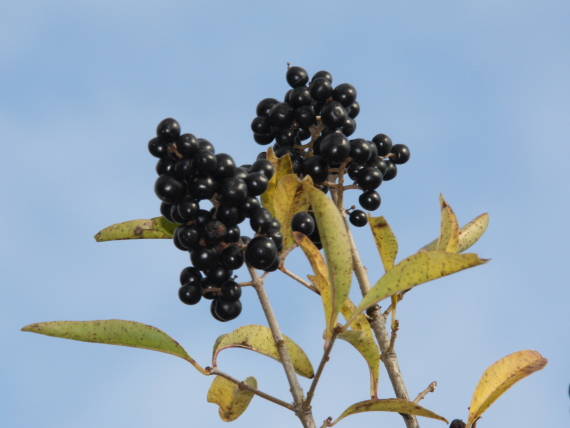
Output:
x=190 y=294
x=358 y=218
x=400 y=153
x=261 y=252
x=369 y=178
x=303 y=222
x=369 y=200
x=297 y=76
x=383 y=144
x=168 y=130
x=168 y=189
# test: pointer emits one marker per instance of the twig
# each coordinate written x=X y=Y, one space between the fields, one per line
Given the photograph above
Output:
x=324 y=360
x=304 y=414
x=430 y=388
x=378 y=324
x=393 y=336
x=327 y=422
x=243 y=385
x=298 y=279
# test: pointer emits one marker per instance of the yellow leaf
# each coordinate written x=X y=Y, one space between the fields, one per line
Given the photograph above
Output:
x=468 y=235
x=335 y=240
x=398 y=405
x=449 y=235
x=366 y=345
x=360 y=322
x=386 y=241
x=500 y=377
x=259 y=338
x=283 y=166
x=114 y=332
x=417 y=269
x=154 y=228
x=231 y=399
x=472 y=231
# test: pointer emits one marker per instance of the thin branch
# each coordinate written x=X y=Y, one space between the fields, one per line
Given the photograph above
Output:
x=430 y=388
x=378 y=324
x=304 y=414
x=327 y=422
x=393 y=336
x=243 y=385
x=299 y=279
x=325 y=358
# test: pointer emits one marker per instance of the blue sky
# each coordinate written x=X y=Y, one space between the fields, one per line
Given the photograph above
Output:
x=478 y=90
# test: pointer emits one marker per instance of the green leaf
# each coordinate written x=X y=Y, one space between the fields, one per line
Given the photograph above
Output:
x=472 y=231
x=366 y=345
x=115 y=332
x=390 y=405
x=499 y=377
x=417 y=269
x=154 y=228
x=449 y=235
x=231 y=399
x=336 y=244
x=386 y=241
x=259 y=338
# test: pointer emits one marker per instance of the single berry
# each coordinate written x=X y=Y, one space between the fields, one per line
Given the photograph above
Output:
x=190 y=294
x=168 y=189
x=333 y=114
x=204 y=258
x=233 y=234
x=277 y=238
x=250 y=205
x=205 y=163
x=165 y=167
x=203 y=187
x=260 y=218
x=391 y=170
x=175 y=215
x=457 y=423
x=270 y=227
x=225 y=310
x=214 y=232
x=232 y=257
x=261 y=125
x=188 y=236
x=205 y=146
x=370 y=200
x=256 y=183
x=305 y=116
x=202 y=218
x=358 y=218
x=345 y=94
x=187 y=208
x=261 y=252
x=230 y=215
x=321 y=89
x=187 y=145
x=369 y=178
x=300 y=97
x=263 y=139
x=297 y=76
x=383 y=144
x=265 y=105
x=360 y=150
x=234 y=191
x=286 y=137
x=400 y=153
x=218 y=275
x=281 y=115
x=353 y=109
x=231 y=291
x=157 y=147
x=335 y=148
x=348 y=127
x=209 y=290
x=322 y=74
x=190 y=275
x=177 y=243
x=317 y=168
x=264 y=166
x=168 y=130
x=225 y=166
x=353 y=169
x=303 y=222
x=183 y=169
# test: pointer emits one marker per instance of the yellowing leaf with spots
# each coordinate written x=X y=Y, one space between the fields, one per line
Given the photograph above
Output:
x=390 y=405
x=259 y=338
x=154 y=228
x=231 y=399
x=336 y=244
x=468 y=234
x=320 y=279
x=366 y=345
x=386 y=241
x=501 y=376
x=282 y=166
x=449 y=234
x=417 y=269
x=114 y=332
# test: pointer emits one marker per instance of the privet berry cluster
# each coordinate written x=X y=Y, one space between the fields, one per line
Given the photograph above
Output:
x=325 y=115
x=191 y=172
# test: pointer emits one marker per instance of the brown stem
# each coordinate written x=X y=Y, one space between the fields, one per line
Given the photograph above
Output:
x=298 y=279
x=378 y=323
x=243 y=385
x=430 y=388
x=304 y=414
x=324 y=360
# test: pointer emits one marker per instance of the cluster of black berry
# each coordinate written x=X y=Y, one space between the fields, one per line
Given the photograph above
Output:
x=191 y=172
x=325 y=114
